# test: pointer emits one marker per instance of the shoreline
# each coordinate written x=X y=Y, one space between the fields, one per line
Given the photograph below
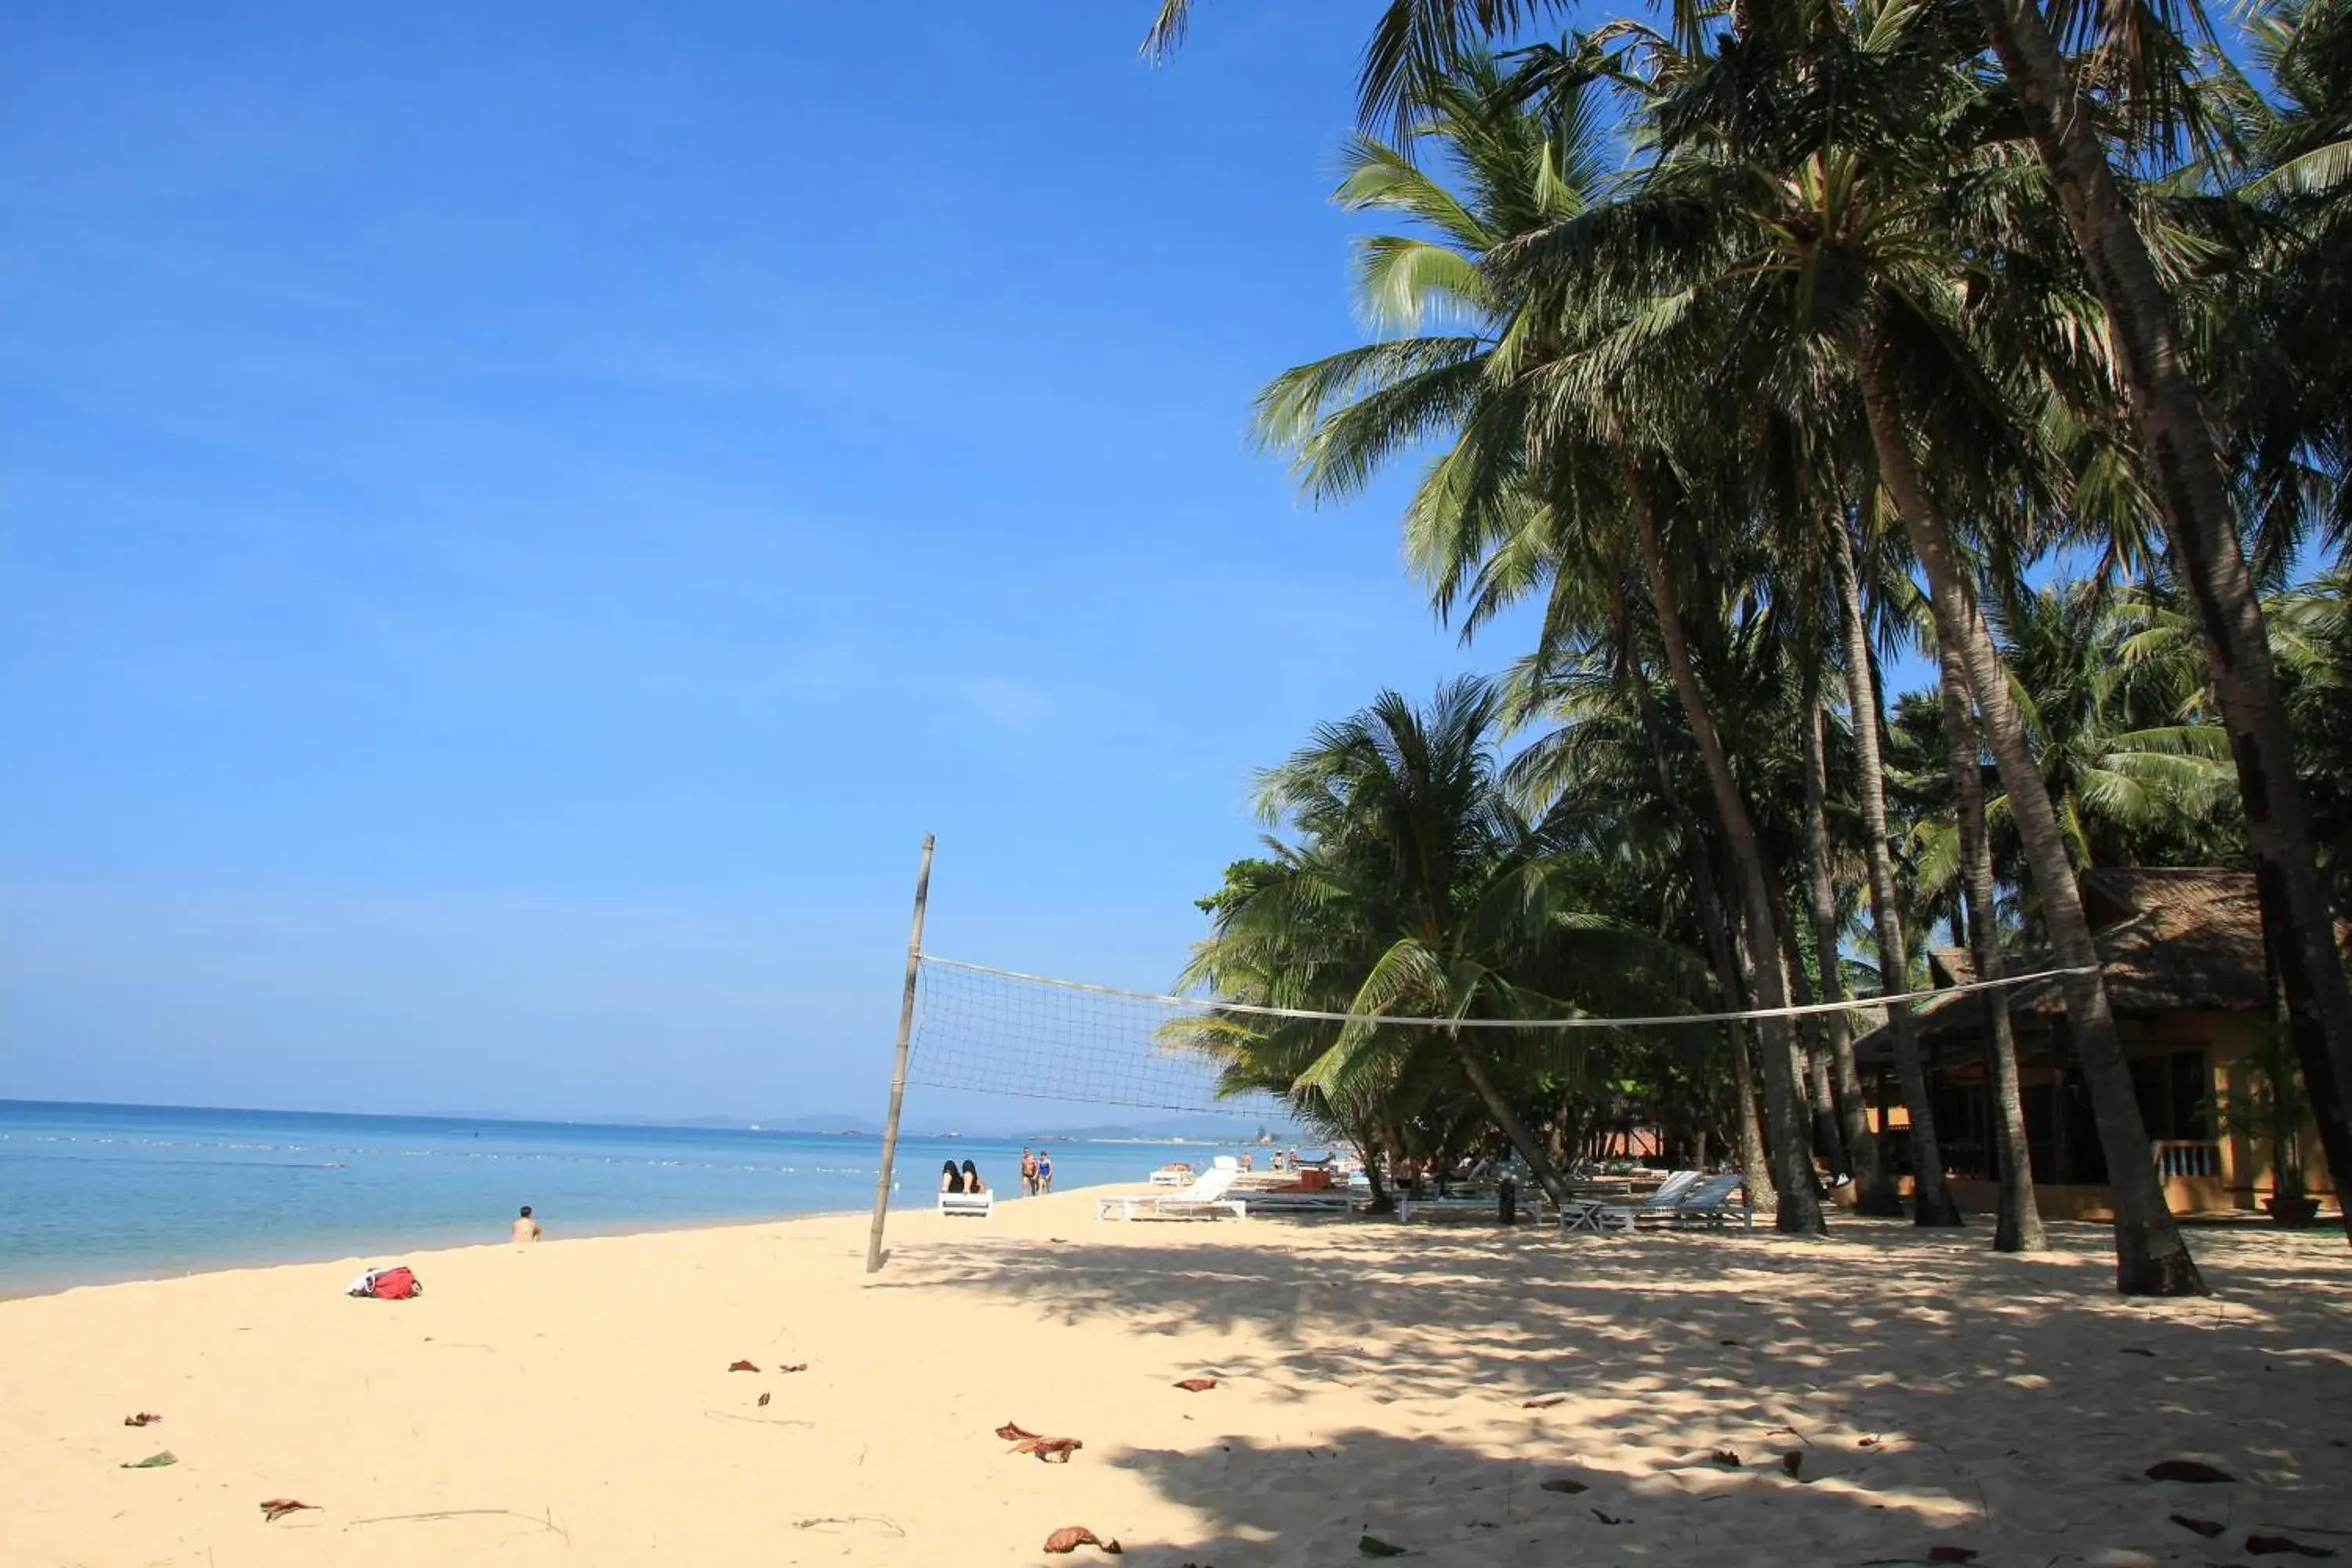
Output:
x=11 y=1291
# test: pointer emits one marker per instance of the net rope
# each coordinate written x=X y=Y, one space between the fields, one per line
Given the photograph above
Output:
x=1000 y=1031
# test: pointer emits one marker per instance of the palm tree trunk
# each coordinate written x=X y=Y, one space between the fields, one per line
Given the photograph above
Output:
x=1828 y=1143
x=1799 y=1210
x=1499 y=1106
x=1755 y=1171
x=2150 y=1257
x=2297 y=920
x=1369 y=1148
x=1874 y=1194
x=1931 y=1200
x=2017 y=1226
x=1715 y=925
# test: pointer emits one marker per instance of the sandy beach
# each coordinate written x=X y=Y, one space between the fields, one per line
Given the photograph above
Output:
x=572 y=1403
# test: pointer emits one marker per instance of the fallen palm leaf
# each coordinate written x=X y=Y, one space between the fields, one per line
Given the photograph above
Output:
x=1726 y=1456
x=1606 y=1518
x=2190 y=1470
x=277 y=1508
x=145 y=1418
x=546 y=1523
x=741 y=1366
x=1070 y=1537
x=2207 y=1528
x=1012 y=1432
x=1546 y=1402
x=155 y=1461
x=1373 y=1546
x=847 y=1520
x=2279 y=1545
x=764 y=1398
x=1197 y=1385
x=796 y=1366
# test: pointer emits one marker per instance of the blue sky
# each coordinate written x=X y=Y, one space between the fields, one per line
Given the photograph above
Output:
x=512 y=527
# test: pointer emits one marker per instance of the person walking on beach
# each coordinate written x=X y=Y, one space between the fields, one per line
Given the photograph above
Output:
x=525 y=1227
x=1046 y=1170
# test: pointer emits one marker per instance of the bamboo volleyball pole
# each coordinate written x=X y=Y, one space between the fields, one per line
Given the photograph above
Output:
x=898 y=1068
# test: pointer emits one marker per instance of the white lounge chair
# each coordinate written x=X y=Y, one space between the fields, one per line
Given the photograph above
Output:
x=1707 y=1201
x=1321 y=1200
x=1205 y=1199
x=975 y=1205
x=1585 y=1214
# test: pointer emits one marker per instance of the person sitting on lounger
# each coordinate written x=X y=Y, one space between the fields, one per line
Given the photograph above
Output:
x=971 y=1181
x=951 y=1179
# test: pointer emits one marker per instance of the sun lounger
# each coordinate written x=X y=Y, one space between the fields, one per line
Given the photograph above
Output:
x=976 y=1205
x=1326 y=1200
x=1205 y=1199
x=1585 y=1213
x=1704 y=1202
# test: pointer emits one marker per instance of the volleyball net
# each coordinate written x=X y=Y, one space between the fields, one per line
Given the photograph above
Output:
x=981 y=1029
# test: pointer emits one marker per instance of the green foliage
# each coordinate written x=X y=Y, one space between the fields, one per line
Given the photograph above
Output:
x=1639 y=275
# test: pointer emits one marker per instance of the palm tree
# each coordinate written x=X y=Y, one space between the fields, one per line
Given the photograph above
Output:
x=1932 y=1202
x=2111 y=694
x=1489 y=522
x=1418 y=891
x=2069 y=109
x=1610 y=761
x=1793 y=177
x=2018 y=1227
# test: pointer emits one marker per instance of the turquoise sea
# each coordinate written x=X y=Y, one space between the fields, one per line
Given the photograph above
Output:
x=94 y=1193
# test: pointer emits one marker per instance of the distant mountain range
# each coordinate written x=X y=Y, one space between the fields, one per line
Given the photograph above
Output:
x=1226 y=1130
x=824 y=1122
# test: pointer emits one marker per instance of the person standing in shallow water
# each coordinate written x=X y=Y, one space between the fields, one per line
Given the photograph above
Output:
x=1045 y=1169
x=525 y=1228
x=1028 y=1171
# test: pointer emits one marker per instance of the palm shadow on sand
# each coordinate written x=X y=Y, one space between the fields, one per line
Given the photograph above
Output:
x=1917 y=1374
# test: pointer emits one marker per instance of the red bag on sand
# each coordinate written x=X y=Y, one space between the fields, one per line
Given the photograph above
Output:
x=394 y=1284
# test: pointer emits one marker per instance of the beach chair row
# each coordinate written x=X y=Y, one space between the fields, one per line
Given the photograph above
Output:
x=1686 y=1198
x=1212 y=1194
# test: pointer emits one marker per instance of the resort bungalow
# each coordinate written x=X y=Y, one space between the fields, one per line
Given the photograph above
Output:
x=2183 y=954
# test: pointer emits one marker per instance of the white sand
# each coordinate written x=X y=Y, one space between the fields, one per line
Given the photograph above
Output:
x=570 y=1404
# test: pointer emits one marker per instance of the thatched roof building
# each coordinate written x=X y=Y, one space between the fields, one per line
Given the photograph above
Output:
x=2171 y=940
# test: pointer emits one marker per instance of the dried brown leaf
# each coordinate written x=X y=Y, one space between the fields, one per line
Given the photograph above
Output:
x=1070 y=1537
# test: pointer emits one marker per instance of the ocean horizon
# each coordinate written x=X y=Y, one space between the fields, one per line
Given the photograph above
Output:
x=94 y=1193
